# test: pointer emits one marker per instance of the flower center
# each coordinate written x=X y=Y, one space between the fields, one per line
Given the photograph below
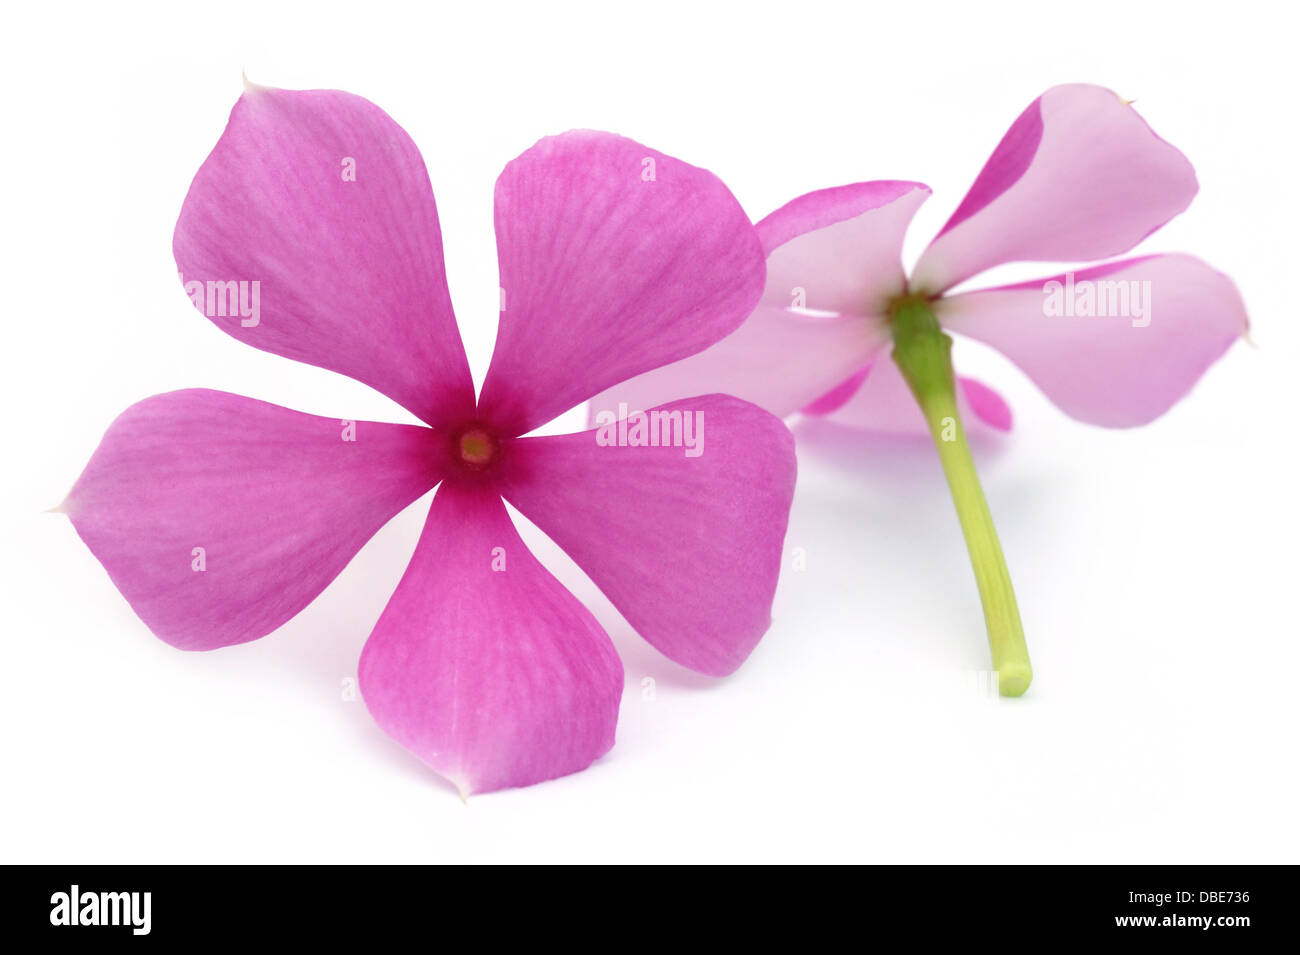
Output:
x=476 y=448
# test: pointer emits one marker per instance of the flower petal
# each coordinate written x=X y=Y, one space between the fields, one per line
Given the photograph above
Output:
x=840 y=250
x=688 y=548
x=219 y=517
x=988 y=406
x=883 y=403
x=615 y=259
x=1117 y=370
x=779 y=360
x=1079 y=176
x=838 y=396
x=324 y=202
x=482 y=664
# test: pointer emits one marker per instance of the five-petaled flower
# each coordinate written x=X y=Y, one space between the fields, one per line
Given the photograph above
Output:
x=482 y=663
x=1078 y=177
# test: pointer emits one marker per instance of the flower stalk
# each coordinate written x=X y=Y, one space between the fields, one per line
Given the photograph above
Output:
x=923 y=352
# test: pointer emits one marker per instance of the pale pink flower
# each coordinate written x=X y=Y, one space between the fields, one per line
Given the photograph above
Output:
x=1078 y=177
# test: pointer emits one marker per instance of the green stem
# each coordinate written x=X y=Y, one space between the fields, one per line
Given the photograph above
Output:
x=923 y=353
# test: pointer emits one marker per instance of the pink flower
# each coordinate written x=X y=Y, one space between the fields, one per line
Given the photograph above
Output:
x=311 y=232
x=1078 y=177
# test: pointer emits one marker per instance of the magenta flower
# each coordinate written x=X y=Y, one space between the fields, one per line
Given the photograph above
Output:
x=1078 y=177
x=311 y=232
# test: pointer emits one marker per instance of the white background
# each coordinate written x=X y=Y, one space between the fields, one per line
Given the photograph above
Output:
x=1156 y=568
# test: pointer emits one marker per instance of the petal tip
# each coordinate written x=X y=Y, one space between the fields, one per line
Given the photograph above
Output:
x=250 y=87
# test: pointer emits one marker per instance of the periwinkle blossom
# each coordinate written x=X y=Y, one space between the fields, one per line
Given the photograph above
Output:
x=220 y=517
x=1079 y=176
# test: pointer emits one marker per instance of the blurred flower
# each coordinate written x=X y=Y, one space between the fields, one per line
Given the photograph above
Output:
x=1078 y=177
